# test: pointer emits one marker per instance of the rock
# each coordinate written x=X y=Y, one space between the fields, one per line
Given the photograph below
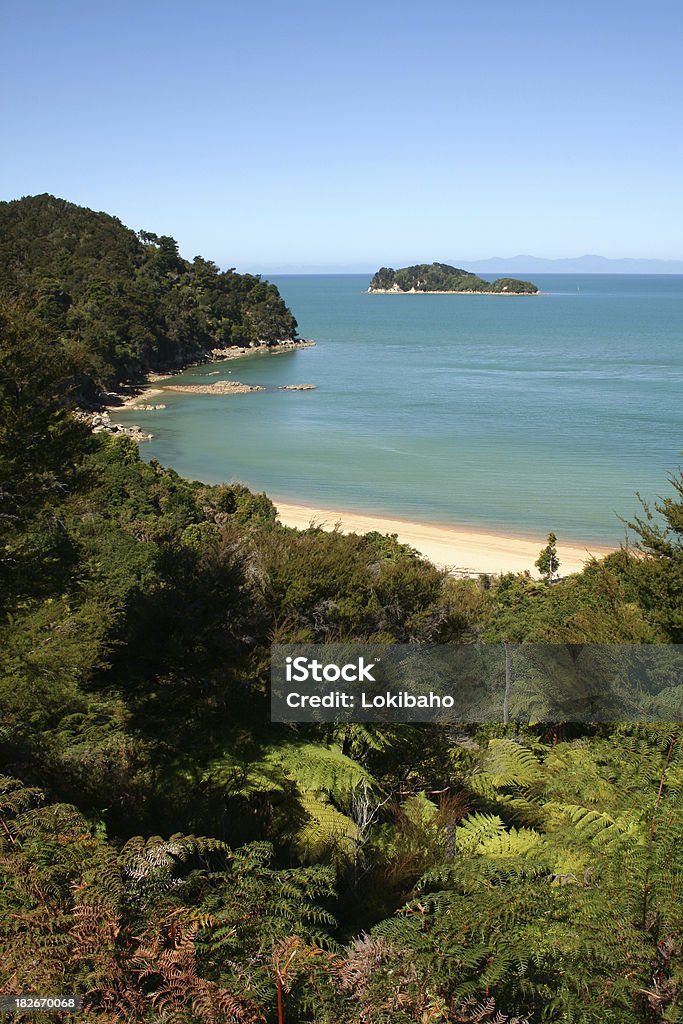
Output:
x=100 y=423
x=136 y=433
x=219 y=387
x=258 y=348
x=297 y=387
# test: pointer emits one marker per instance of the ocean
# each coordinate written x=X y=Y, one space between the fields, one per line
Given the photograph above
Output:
x=522 y=414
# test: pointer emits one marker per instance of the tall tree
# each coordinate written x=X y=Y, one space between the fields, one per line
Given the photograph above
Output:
x=547 y=562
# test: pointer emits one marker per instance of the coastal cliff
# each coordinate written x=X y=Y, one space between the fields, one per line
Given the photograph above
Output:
x=440 y=278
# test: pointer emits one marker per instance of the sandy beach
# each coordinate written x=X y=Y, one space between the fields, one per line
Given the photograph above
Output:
x=464 y=551
x=141 y=395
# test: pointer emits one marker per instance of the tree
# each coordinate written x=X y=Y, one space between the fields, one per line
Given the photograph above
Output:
x=547 y=562
x=169 y=261
x=118 y=302
x=657 y=578
x=41 y=444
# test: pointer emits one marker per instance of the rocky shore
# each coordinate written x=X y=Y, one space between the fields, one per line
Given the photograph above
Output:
x=230 y=387
x=137 y=395
x=239 y=351
x=219 y=387
x=101 y=423
x=129 y=395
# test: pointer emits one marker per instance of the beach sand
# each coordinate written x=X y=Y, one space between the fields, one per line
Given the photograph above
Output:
x=141 y=395
x=462 y=550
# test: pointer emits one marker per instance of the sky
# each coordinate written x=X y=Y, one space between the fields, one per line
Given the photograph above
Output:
x=298 y=134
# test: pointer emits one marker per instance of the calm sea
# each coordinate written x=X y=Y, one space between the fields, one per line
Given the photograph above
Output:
x=525 y=414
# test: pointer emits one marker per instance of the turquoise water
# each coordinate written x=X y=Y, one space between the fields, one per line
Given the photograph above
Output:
x=526 y=414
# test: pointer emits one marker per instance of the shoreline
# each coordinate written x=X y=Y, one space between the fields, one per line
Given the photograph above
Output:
x=128 y=396
x=464 y=551
x=142 y=394
x=459 y=291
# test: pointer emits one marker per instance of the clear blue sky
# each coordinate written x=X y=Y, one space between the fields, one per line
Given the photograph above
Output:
x=299 y=133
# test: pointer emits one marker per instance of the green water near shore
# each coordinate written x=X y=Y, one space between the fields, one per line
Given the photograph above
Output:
x=521 y=414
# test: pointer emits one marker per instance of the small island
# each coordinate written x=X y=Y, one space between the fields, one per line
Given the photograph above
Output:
x=440 y=278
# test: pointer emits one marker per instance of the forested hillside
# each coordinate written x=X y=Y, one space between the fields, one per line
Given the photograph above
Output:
x=167 y=853
x=118 y=303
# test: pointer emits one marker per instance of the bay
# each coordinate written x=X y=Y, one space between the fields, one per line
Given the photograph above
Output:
x=522 y=414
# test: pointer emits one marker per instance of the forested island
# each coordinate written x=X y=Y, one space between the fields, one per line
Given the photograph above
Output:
x=119 y=303
x=166 y=851
x=440 y=277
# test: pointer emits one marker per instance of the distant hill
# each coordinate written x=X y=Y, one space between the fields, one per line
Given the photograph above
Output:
x=120 y=302
x=506 y=265
x=441 y=277
x=573 y=265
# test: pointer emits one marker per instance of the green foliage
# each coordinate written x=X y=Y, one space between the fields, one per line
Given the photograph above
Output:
x=500 y=876
x=326 y=586
x=657 y=580
x=633 y=596
x=118 y=304
x=574 y=919
x=175 y=928
x=598 y=605
x=312 y=787
x=237 y=502
x=41 y=445
x=547 y=562
x=513 y=286
x=440 y=277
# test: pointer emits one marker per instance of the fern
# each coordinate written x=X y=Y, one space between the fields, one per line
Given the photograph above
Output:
x=76 y=916
x=506 y=764
x=476 y=830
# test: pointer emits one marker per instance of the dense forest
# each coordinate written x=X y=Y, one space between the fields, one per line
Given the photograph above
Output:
x=440 y=277
x=120 y=303
x=169 y=854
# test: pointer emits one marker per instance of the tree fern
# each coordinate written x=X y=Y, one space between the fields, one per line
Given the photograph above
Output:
x=164 y=929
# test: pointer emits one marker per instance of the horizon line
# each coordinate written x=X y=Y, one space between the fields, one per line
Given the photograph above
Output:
x=562 y=265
